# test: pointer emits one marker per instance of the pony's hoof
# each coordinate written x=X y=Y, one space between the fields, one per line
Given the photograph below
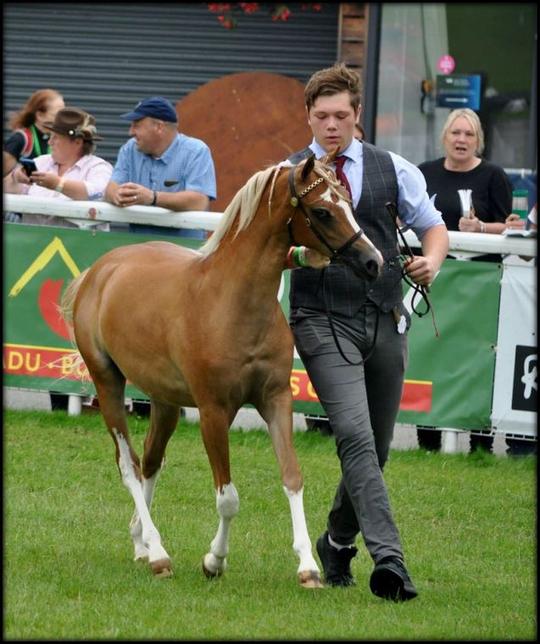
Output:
x=310 y=579
x=212 y=567
x=161 y=568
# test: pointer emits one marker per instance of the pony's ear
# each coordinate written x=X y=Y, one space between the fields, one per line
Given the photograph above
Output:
x=308 y=167
x=330 y=157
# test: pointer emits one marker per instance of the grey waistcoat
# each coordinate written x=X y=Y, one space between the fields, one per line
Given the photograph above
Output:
x=345 y=293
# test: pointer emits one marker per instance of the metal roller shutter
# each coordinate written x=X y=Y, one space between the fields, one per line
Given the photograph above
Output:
x=105 y=57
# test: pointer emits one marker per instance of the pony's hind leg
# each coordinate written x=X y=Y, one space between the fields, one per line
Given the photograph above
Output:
x=214 y=428
x=163 y=421
x=110 y=385
x=278 y=415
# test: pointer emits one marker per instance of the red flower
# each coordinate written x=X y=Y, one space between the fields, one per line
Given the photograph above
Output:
x=249 y=7
x=219 y=7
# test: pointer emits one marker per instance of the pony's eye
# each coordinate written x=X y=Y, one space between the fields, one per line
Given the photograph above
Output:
x=321 y=213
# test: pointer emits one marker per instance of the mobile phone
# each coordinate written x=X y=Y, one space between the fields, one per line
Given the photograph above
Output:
x=29 y=165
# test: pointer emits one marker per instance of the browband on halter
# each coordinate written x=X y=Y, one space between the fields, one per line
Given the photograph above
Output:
x=296 y=200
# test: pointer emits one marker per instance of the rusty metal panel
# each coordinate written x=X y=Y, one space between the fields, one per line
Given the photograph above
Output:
x=250 y=120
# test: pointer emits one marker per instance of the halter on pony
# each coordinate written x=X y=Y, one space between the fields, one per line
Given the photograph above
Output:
x=296 y=200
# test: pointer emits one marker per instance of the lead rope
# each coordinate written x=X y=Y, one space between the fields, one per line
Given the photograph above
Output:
x=418 y=289
x=334 y=334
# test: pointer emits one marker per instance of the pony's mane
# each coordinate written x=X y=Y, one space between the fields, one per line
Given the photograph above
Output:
x=246 y=201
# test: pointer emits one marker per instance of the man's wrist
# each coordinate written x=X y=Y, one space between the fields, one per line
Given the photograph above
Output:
x=154 y=198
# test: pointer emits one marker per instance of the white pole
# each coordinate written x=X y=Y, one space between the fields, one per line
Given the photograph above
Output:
x=74 y=405
x=449 y=440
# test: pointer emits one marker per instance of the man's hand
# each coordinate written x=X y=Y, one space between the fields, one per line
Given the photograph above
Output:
x=314 y=259
x=421 y=270
x=132 y=194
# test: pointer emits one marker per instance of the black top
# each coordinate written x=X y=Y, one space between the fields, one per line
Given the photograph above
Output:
x=491 y=191
x=16 y=141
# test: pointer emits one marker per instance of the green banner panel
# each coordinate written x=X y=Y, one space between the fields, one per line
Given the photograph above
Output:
x=449 y=380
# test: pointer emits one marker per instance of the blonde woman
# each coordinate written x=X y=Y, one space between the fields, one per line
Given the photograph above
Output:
x=462 y=167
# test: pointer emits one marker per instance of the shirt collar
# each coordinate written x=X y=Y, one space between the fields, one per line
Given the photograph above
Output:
x=353 y=151
x=170 y=152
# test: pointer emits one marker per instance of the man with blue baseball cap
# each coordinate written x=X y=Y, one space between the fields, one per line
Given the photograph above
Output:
x=160 y=166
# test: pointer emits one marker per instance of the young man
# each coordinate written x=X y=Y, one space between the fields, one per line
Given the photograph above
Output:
x=159 y=166
x=361 y=394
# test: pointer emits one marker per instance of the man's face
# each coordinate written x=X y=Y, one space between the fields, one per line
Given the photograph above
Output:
x=147 y=133
x=332 y=120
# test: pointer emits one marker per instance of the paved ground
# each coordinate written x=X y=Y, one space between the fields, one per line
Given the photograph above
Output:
x=404 y=435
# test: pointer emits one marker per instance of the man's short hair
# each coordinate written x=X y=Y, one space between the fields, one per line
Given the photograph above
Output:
x=333 y=80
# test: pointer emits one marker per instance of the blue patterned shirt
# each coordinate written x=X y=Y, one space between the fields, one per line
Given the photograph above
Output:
x=187 y=162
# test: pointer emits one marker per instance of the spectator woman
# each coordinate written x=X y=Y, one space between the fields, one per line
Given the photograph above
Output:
x=462 y=168
x=29 y=137
x=71 y=170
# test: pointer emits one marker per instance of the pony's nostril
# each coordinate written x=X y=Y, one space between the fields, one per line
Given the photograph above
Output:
x=372 y=268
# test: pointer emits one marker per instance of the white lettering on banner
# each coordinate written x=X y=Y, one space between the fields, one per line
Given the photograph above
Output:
x=515 y=387
x=524 y=393
x=529 y=377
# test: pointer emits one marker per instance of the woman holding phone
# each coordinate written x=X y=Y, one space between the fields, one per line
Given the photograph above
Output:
x=71 y=170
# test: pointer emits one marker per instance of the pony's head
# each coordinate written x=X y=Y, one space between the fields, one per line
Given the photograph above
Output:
x=323 y=218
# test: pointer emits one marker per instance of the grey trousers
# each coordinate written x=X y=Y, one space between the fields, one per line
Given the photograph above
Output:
x=362 y=403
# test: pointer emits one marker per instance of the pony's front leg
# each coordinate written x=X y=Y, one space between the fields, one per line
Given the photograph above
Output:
x=136 y=526
x=227 y=504
x=215 y=422
x=149 y=542
x=278 y=415
x=308 y=571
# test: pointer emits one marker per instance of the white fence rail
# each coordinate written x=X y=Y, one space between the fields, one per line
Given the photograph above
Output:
x=100 y=211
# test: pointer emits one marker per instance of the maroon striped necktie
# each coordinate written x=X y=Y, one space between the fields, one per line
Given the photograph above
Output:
x=340 y=161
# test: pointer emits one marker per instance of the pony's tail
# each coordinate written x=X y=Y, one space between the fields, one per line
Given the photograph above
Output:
x=68 y=300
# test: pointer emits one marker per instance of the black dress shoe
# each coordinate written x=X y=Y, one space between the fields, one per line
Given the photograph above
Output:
x=390 y=580
x=336 y=563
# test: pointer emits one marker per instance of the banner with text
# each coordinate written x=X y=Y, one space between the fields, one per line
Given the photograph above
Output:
x=449 y=379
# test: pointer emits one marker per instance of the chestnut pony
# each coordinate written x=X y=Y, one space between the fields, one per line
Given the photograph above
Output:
x=205 y=329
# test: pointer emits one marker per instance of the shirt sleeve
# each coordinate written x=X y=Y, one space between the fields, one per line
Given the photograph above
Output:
x=121 y=171
x=201 y=175
x=97 y=178
x=416 y=209
x=14 y=144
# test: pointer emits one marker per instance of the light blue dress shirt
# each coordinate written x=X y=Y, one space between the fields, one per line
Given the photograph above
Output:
x=185 y=165
x=187 y=161
x=416 y=211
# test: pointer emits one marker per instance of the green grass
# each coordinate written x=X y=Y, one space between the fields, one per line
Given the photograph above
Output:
x=467 y=525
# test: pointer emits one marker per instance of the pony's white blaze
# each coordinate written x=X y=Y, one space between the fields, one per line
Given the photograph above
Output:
x=149 y=536
x=343 y=204
x=346 y=207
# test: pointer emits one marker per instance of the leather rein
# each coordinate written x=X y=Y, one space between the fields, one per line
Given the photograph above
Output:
x=296 y=201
